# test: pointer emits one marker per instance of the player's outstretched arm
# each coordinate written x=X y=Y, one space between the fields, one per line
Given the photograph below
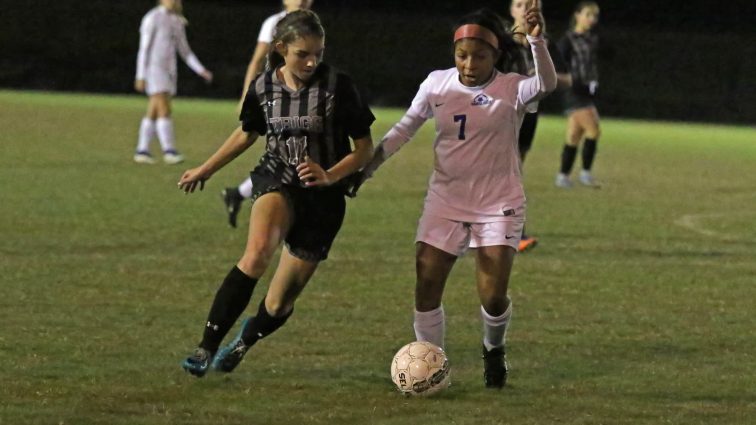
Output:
x=256 y=66
x=236 y=143
x=314 y=175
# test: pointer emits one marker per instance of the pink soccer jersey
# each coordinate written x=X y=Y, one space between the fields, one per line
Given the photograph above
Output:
x=476 y=176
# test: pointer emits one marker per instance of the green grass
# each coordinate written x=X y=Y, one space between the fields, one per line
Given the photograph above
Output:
x=636 y=308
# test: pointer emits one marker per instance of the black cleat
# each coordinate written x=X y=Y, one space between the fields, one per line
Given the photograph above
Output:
x=233 y=200
x=495 y=367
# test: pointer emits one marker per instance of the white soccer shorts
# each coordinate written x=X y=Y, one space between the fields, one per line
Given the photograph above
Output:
x=456 y=237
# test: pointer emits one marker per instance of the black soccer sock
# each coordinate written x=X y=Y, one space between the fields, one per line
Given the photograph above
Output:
x=568 y=158
x=229 y=303
x=589 y=152
x=263 y=324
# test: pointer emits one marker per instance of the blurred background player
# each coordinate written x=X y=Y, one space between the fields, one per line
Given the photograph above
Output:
x=308 y=113
x=475 y=196
x=162 y=34
x=517 y=10
x=579 y=48
x=234 y=196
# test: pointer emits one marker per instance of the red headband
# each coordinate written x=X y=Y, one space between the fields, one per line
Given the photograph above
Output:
x=476 y=31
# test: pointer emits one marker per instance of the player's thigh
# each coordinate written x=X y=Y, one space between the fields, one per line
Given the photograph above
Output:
x=592 y=123
x=574 y=129
x=587 y=119
x=269 y=222
x=162 y=104
x=289 y=280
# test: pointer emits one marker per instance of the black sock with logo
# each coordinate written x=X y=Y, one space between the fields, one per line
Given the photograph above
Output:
x=263 y=324
x=229 y=303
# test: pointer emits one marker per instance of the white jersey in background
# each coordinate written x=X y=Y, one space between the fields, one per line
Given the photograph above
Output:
x=476 y=176
x=162 y=34
x=268 y=30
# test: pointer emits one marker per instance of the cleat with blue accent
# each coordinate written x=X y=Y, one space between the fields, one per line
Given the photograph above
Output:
x=232 y=354
x=198 y=363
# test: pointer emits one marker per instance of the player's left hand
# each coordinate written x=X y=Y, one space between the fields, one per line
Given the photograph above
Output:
x=207 y=76
x=313 y=174
x=534 y=19
x=193 y=178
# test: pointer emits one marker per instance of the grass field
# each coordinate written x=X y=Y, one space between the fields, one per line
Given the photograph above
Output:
x=636 y=308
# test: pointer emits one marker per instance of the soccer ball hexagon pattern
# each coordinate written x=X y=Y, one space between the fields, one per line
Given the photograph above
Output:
x=420 y=368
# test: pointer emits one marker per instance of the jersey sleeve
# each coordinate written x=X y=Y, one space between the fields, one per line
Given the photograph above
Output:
x=543 y=82
x=565 y=50
x=252 y=116
x=560 y=65
x=401 y=133
x=267 y=31
x=354 y=114
x=146 y=42
x=182 y=45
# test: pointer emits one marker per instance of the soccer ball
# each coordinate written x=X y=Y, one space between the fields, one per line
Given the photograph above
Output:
x=420 y=368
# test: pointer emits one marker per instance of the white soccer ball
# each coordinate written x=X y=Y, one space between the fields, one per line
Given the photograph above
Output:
x=420 y=368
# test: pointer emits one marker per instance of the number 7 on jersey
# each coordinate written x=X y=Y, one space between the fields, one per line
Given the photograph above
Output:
x=462 y=119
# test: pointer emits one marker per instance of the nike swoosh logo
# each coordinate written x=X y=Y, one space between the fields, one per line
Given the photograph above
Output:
x=508 y=237
x=439 y=104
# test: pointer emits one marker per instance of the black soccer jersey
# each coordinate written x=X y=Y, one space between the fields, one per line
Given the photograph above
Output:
x=580 y=53
x=316 y=121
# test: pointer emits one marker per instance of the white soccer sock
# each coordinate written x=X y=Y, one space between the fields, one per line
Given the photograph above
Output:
x=146 y=134
x=165 y=134
x=245 y=189
x=495 y=328
x=430 y=326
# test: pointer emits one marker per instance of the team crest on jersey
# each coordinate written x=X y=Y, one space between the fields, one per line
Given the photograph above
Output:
x=481 y=100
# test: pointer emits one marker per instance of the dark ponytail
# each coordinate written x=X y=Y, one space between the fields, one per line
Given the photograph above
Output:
x=298 y=24
x=510 y=59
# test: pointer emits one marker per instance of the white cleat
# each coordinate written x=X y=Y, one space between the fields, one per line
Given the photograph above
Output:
x=563 y=181
x=144 y=158
x=173 y=158
x=586 y=179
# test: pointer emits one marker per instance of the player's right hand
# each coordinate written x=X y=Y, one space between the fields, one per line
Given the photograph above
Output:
x=191 y=179
x=139 y=86
x=207 y=76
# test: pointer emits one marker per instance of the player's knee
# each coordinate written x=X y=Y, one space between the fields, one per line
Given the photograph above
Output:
x=573 y=136
x=256 y=258
x=277 y=307
x=594 y=133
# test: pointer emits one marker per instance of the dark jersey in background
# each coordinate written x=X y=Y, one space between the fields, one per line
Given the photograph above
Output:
x=580 y=53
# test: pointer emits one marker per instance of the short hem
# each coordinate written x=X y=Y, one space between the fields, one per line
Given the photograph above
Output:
x=513 y=243
x=440 y=246
x=305 y=255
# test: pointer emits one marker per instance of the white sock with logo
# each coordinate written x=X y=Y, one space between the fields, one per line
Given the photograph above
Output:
x=495 y=328
x=245 y=189
x=166 y=135
x=146 y=134
x=430 y=326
